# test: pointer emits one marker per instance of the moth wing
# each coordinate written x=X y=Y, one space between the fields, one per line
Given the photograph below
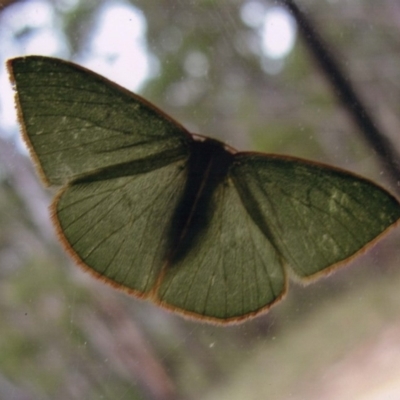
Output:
x=76 y=122
x=315 y=216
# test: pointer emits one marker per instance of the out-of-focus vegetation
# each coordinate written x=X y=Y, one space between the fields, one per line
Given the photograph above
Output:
x=64 y=335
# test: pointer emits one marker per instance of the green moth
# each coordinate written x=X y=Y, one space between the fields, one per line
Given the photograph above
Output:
x=182 y=219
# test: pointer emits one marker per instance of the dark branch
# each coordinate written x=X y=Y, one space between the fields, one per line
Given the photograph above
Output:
x=343 y=89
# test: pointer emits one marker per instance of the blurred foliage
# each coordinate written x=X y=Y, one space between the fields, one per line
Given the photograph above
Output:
x=66 y=336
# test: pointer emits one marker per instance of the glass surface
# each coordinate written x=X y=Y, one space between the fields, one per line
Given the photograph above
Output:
x=216 y=68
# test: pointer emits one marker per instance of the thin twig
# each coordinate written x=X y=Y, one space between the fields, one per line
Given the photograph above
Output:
x=346 y=94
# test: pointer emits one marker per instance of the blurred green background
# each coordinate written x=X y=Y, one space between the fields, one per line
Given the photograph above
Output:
x=215 y=67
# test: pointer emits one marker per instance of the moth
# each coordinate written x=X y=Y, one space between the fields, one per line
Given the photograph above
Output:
x=182 y=219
